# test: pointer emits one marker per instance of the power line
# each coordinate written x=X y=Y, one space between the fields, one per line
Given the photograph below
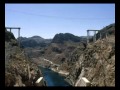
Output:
x=48 y=16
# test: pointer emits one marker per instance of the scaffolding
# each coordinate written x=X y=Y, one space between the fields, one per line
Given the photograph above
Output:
x=10 y=28
x=94 y=37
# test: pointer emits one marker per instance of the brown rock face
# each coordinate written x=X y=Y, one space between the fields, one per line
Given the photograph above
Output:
x=98 y=60
x=17 y=72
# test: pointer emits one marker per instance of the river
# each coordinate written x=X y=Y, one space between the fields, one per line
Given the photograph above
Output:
x=52 y=78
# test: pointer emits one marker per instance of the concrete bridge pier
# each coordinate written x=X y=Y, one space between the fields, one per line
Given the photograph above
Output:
x=39 y=82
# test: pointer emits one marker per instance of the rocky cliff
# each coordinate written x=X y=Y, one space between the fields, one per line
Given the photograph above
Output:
x=96 y=62
x=62 y=37
x=19 y=71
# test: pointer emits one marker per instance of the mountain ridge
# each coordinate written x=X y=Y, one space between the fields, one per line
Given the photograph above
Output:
x=34 y=41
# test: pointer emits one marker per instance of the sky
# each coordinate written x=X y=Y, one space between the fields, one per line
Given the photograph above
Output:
x=46 y=20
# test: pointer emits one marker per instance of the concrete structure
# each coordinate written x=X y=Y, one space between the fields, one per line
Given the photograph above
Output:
x=83 y=82
x=39 y=82
x=15 y=28
x=28 y=68
x=88 y=34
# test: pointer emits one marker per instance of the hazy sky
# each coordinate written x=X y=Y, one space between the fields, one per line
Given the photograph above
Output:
x=46 y=20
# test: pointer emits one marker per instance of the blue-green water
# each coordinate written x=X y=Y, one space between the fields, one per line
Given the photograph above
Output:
x=52 y=78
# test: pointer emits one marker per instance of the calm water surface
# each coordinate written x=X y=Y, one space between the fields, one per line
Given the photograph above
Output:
x=52 y=78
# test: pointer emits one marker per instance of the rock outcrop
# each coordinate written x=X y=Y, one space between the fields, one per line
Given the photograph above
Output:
x=62 y=37
x=96 y=63
x=19 y=71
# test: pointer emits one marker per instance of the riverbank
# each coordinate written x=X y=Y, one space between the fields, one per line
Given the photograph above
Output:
x=53 y=68
x=53 y=78
x=62 y=72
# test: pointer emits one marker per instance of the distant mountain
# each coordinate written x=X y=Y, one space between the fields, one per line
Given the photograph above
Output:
x=37 y=38
x=34 y=41
x=62 y=37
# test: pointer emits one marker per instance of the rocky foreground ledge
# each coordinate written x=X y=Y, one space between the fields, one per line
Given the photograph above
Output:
x=19 y=70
